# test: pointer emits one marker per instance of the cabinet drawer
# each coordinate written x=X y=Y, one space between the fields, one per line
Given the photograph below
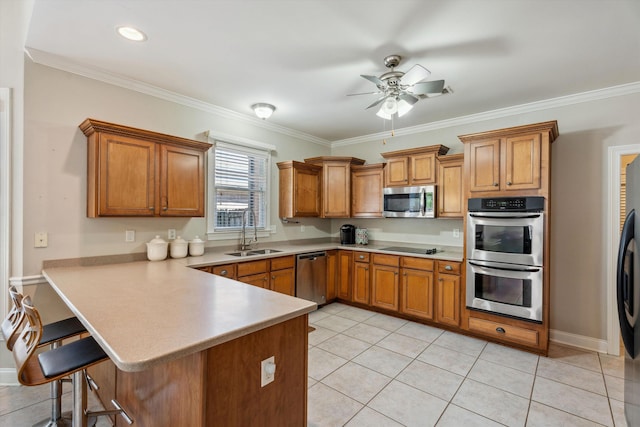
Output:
x=417 y=263
x=253 y=267
x=281 y=263
x=390 y=260
x=504 y=332
x=449 y=267
x=361 y=256
x=226 y=270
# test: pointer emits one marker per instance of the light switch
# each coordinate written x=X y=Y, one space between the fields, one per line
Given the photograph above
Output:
x=41 y=240
x=130 y=236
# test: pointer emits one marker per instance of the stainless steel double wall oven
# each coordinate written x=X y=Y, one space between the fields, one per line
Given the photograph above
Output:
x=505 y=253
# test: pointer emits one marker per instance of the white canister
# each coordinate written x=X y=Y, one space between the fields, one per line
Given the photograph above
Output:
x=179 y=247
x=362 y=236
x=196 y=246
x=157 y=249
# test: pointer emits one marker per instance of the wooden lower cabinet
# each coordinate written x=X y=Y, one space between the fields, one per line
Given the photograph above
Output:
x=385 y=282
x=345 y=266
x=261 y=280
x=448 y=292
x=332 y=275
x=283 y=281
x=417 y=288
x=226 y=270
x=277 y=274
x=361 y=283
x=503 y=331
x=219 y=385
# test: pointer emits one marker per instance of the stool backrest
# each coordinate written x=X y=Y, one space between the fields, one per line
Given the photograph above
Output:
x=27 y=343
x=12 y=323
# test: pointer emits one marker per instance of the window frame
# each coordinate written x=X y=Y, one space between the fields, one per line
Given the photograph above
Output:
x=240 y=145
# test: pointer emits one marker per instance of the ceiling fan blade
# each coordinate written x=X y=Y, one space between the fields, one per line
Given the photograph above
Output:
x=363 y=93
x=414 y=75
x=373 y=79
x=377 y=102
x=424 y=88
x=410 y=99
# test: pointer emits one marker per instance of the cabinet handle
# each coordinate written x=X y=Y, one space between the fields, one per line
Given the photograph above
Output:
x=509 y=183
x=448 y=267
x=361 y=257
x=224 y=272
x=366 y=269
x=273 y=277
x=500 y=330
x=495 y=184
x=150 y=208
x=165 y=208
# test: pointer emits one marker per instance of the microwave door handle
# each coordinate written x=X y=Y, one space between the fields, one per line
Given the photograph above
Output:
x=423 y=196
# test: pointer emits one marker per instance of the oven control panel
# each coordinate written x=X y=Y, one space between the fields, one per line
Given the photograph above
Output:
x=511 y=204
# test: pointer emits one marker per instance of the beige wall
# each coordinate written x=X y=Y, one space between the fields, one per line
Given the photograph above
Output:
x=579 y=197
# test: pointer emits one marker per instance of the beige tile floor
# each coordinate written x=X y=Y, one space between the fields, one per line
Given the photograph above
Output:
x=368 y=369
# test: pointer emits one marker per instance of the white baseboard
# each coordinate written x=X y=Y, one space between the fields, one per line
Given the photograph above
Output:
x=8 y=376
x=580 y=341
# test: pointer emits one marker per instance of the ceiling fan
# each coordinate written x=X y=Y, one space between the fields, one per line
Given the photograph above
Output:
x=400 y=91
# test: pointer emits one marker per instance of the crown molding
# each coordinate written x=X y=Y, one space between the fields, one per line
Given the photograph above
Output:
x=594 y=95
x=60 y=63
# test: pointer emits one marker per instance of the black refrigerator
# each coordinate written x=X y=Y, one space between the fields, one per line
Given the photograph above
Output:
x=628 y=290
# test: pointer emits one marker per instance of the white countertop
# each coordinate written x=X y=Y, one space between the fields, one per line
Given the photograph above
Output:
x=145 y=313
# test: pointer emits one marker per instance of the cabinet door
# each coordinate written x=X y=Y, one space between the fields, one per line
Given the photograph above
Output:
x=361 y=282
x=450 y=199
x=417 y=293
x=484 y=159
x=423 y=169
x=522 y=162
x=332 y=275
x=260 y=280
x=345 y=262
x=397 y=172
x=448 y=299
x=181 y=181
x=336 y=190
x=306 y=192
x=366 y=193
x=283 y=281
x=384 y=287
x=126 y=177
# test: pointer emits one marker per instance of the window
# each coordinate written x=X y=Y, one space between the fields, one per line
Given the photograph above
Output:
x=239 y=187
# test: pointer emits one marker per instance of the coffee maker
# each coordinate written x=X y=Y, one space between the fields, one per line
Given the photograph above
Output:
x=348 y=234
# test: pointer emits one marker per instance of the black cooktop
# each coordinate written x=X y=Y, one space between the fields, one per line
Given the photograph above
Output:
x=429 y=251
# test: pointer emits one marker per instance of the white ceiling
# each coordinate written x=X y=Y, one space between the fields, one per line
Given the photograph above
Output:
x=305 y=56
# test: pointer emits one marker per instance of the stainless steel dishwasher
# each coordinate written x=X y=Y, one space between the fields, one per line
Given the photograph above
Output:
x=311 y=277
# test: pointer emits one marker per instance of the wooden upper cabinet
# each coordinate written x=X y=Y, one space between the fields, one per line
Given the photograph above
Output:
x=135 y=172
x=415 y=166
x=450 y=194
x=336 y=184
x=508 y=160
x=367 y=182
x=299 y=189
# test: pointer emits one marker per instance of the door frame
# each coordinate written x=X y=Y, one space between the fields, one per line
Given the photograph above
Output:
x=613 y=237
x=5 y=192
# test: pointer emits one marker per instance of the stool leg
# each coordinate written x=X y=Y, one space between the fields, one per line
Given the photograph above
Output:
x=79 y=399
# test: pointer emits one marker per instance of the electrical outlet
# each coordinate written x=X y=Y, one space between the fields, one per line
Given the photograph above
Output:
x=268 y=371
x=302 y=228
x=171 y=234
x=41 y=240
x=456 y=232
x=130 y=236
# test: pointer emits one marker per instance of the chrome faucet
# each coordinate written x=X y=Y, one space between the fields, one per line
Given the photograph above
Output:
x=244 y=245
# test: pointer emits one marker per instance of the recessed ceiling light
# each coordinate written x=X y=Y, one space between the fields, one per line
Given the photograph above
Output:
x=131 y=33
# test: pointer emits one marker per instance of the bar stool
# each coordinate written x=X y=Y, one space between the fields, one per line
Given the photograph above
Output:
x=69 y=359
x=52 y=335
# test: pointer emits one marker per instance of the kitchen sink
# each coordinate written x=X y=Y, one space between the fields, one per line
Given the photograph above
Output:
x=254 y=252
x=264 y=251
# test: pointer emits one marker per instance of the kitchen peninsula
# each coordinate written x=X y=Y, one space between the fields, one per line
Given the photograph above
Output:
x=186 y=347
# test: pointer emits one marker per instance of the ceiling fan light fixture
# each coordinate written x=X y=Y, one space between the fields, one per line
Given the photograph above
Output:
x=263 y=110
x=131 y=33
x=403 y=107
x=390 y=105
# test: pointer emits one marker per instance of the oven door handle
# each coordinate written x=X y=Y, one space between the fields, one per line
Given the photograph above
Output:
x=505 y=267
x=494 y=215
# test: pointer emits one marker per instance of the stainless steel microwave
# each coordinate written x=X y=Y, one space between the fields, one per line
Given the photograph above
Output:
x=409 y=202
